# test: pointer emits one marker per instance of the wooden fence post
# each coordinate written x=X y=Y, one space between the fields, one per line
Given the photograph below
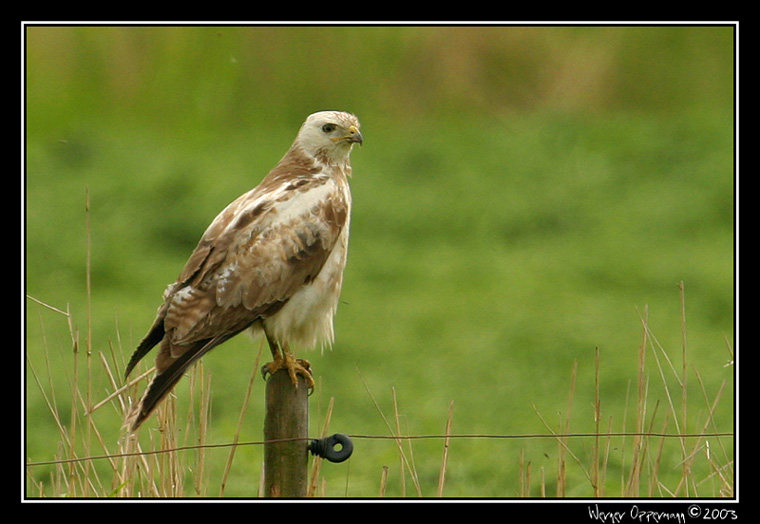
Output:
x=287 y=417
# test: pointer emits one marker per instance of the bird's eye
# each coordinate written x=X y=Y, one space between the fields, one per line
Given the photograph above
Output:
x=328 y=128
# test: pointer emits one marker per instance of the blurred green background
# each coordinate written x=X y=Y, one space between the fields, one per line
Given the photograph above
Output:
x=523 y=195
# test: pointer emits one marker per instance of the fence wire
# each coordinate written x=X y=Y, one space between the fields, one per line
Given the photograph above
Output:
x=473 y=436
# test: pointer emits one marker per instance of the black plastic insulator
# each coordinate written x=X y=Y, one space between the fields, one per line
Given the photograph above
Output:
x=326 y=447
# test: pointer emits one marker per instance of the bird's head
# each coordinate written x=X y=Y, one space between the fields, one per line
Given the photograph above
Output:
x=329 y=135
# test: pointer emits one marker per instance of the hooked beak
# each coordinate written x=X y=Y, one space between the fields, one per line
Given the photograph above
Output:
x=354 y=136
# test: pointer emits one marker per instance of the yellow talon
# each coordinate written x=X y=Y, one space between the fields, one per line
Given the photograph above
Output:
x=293 y=366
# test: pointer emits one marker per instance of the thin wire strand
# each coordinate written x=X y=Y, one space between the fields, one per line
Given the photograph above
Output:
x=386 y=437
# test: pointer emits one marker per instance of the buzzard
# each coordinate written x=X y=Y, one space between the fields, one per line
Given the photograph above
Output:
x=271 y=262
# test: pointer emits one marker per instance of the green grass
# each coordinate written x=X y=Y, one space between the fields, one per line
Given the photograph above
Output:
x=635 y=453
x=491 y=252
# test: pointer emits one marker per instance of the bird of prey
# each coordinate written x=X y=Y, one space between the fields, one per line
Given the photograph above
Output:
x=271 y=262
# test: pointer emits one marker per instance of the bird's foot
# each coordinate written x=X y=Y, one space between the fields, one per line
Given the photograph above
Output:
x=294 y=367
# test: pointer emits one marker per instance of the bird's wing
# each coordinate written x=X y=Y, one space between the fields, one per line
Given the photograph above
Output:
x=269 y=247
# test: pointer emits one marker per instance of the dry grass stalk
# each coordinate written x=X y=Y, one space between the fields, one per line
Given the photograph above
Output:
x=442 y=474
x=383 y=481
x=316 y=465
x=241 y=418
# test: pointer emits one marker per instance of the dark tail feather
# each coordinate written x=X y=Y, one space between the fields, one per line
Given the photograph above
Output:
x=153 y=337
x=163 y=382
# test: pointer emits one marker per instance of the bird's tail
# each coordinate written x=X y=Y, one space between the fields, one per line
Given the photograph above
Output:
x=166 y=379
